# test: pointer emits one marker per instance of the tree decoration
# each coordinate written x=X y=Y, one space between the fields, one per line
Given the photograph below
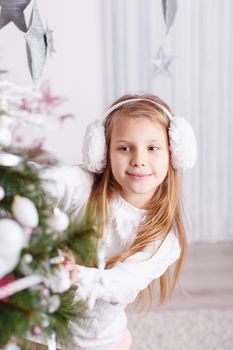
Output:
x=9 y=160
x=161 y=63
x=169 y=12
x=36 y=45
x=25 y=106
x=58 y=221
x=49 y=40
x=5 y=131
x=12 y=11
x=13 y=239
x=2 y=193
x=11 y=346
x=39 y=41
x=59 y=281
x=25 y=212
x=47 y=102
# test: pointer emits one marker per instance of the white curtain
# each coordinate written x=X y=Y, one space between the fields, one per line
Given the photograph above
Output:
x=200 y=88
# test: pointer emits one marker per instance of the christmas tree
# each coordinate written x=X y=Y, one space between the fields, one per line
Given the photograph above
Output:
x=36 y=292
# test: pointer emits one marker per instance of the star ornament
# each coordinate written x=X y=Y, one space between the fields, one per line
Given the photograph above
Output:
x=49 y=40
x=161 y=63
x=12 y=11
x=36 y=45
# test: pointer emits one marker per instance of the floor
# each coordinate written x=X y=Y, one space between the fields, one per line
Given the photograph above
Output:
x=200 y=315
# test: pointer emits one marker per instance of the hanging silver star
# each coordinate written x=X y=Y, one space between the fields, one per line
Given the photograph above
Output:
x=161 y=63
x=36 y=45
x=49 y=40
x=12 y=11
x=169 y=12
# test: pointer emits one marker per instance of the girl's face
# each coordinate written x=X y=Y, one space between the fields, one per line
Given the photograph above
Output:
x=139 y=158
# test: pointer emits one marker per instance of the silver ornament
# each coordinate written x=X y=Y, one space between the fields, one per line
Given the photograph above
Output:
x=169 y=12
x=12 y=11
x=49 y=40
x=36 y=45
x=161 y=63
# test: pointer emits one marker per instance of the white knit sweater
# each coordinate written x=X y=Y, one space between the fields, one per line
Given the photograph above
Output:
x=118 y=286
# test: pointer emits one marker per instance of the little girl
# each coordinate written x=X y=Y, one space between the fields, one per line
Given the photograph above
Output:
x=133 y=161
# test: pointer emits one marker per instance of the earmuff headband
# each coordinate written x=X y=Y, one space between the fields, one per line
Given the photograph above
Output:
x=122 y=103
x=181 y=137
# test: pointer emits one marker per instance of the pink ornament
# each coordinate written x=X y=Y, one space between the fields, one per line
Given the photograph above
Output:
x=19 y=138
x=36 y=330
x=46 y=292
x=28 y=230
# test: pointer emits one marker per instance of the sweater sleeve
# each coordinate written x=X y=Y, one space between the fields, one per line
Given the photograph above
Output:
x=69 y=184
x=122 y=283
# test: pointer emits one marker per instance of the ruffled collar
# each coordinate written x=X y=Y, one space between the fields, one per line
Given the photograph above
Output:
x=126 y=209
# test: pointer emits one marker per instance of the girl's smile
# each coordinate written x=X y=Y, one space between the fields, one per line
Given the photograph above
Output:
x=138 y=176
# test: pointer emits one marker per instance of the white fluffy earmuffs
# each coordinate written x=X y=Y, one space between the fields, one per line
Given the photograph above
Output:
x=181 y=138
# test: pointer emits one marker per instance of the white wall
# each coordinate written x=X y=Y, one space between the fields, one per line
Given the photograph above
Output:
x=75 y=70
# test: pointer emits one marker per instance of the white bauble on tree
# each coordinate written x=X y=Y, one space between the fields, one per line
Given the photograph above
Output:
x=7 y=265
x=12 y=237
x=6 y=126
x=59 y=281
x=2 y=193
x=58 y=221
x=12 y=240
x=11 y=346
x=25 y=212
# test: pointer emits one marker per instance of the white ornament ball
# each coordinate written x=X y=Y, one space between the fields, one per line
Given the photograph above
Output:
x=25 y=212
x=54 y=303
x=59 y=281
x=7 y=264
x=12 y=237
x=6 y=125
x=12 y=240
x=2 y=193
x=27 y=258
x=58 y=221
x=11 y=346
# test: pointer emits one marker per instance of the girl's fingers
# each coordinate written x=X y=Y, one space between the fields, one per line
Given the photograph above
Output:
x=74 y=275
x=68 y=255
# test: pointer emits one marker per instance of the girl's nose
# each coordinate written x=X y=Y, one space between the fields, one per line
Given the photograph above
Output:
x=138 y=164
x=138 y=161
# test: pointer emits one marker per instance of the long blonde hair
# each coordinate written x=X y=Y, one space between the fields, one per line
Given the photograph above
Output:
x=164 y=209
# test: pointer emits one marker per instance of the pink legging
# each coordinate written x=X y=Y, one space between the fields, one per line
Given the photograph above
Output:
x=124 y=342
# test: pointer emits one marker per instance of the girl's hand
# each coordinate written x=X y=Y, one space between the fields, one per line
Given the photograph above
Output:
x=70 y=265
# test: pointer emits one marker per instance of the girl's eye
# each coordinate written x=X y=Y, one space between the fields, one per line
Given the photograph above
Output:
x=124 y=148
x=153 y=148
